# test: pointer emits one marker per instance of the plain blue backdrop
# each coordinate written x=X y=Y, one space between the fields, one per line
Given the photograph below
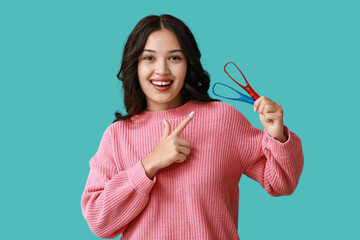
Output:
x=59 y=92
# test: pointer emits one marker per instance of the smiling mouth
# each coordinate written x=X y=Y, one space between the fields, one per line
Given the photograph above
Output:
x=161 y=83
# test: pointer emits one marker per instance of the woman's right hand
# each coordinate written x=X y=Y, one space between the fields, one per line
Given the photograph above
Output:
x=171 y=148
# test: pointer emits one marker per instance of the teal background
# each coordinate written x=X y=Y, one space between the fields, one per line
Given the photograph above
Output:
x=59 y=92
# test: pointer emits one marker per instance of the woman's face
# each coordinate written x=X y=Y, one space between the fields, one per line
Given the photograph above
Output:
x=161 y=71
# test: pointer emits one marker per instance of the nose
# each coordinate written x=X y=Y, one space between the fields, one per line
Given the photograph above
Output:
x=162 y=67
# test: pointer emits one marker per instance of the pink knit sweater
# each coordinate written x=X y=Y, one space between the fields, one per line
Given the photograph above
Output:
x=196 y=199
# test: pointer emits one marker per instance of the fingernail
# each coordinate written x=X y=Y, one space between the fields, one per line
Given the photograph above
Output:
x=164 y=121
x=254 y=109
x=191 y=114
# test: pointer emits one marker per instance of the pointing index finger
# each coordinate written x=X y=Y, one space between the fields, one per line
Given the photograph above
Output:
x=180 y=128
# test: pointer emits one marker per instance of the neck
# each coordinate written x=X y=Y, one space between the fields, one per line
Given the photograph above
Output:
x=165 y=106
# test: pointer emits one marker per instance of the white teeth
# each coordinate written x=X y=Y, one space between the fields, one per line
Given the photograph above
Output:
x=160 y=83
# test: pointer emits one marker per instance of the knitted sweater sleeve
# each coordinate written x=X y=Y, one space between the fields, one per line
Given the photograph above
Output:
x=113 y=197
x=276 y=166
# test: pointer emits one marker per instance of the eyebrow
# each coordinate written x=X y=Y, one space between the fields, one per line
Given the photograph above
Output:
x=171 y=51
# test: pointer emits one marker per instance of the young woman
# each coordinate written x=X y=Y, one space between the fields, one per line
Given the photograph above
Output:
x=170 y=168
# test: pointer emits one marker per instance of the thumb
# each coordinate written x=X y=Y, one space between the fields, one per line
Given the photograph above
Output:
x=167 y=129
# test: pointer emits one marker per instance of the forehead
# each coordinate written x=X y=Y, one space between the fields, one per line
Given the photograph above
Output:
x=162 y=40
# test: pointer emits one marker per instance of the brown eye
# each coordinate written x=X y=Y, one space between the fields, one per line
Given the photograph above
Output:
x=174 y=58
x=149 y=58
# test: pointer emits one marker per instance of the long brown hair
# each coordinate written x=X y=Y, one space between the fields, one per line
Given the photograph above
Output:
x=197 y=80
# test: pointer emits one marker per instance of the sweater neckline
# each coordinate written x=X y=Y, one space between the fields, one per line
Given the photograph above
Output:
x=179 y=112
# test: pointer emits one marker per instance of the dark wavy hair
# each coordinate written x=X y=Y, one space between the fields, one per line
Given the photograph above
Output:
x=197 y=80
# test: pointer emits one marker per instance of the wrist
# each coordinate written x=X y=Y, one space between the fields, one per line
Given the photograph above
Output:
x=283 y=137
x=149 y=168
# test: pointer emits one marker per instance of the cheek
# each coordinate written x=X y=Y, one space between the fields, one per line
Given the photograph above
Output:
x=142 y=77
x=138 y=71
x=142 y=71
x=181 y=72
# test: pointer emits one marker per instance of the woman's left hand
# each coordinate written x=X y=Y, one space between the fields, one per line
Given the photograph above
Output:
x=271 y=117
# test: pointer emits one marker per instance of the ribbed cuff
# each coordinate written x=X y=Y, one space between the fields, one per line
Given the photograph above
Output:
x=282 y=149
x=139 y=180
